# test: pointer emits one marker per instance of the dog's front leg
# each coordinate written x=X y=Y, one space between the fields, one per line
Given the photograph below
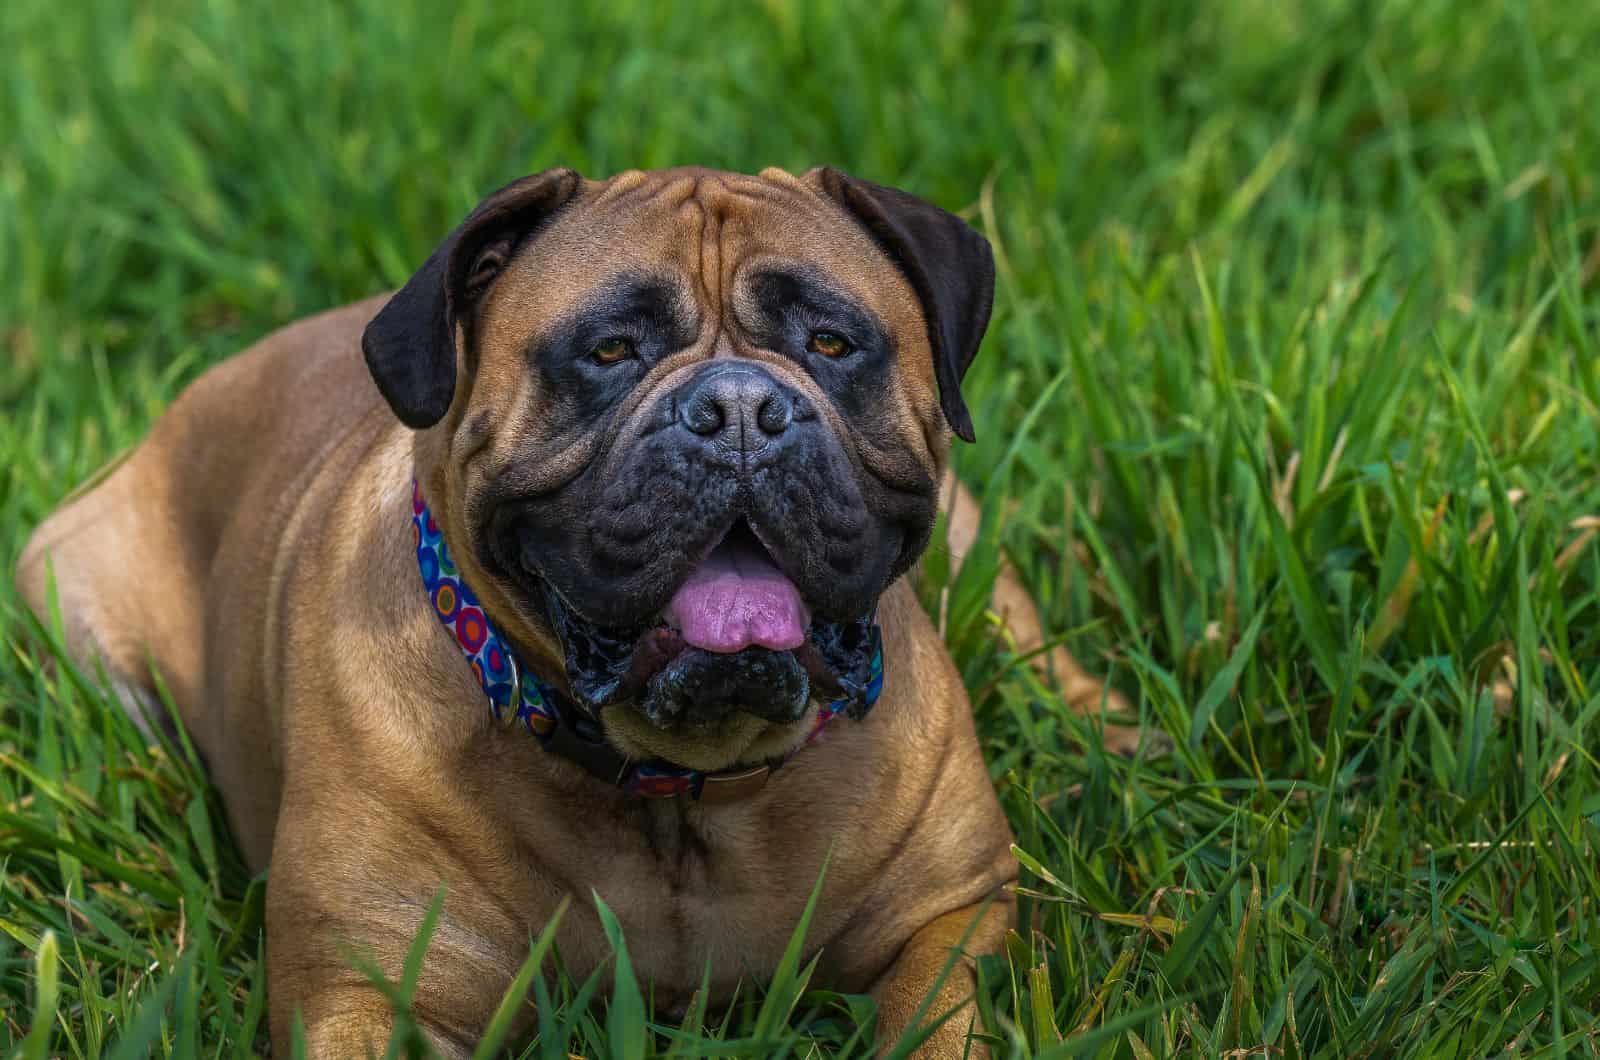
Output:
x=900 y=991
x=341 y=1012
x=358 y=1022
x=348 y=1020
x=348 y=892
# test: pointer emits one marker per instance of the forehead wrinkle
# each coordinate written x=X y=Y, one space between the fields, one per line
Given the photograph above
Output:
x=703 y=212
x=757 y=192
x=744 y=186
x=747 y=214
x=625 y=185
x=668 y=194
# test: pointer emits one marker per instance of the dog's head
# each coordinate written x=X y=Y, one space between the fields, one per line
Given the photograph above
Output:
x=683 y=428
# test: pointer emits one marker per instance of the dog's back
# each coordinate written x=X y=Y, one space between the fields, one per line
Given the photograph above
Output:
x=133 y=558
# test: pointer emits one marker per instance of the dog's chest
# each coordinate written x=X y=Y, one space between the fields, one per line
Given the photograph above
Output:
x=695 y=890
x=673 y=836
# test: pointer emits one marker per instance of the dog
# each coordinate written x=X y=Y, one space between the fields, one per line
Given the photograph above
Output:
x=580 y=565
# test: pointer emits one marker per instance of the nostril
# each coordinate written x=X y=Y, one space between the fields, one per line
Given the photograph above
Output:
x=775 y=414
x=737 y=405
x=704 y=415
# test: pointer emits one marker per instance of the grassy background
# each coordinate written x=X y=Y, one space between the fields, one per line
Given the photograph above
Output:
x=1288 y=412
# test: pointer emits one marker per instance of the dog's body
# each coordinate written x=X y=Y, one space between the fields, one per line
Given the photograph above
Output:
x=257 y=552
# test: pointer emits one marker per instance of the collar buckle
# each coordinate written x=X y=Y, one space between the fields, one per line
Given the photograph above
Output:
x=719 y=788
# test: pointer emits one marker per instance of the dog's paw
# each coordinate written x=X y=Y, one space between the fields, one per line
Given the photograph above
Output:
x=1092 y=698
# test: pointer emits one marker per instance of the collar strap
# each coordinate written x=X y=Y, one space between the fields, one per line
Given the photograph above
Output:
x=516 y=693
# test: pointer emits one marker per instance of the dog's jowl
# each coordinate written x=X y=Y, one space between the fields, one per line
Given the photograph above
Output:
x=578 y=565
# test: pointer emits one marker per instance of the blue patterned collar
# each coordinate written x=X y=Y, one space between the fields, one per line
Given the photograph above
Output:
x=516 y=694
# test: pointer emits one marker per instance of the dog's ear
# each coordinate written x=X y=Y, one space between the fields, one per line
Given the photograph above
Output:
x=949 y=266
x=410 y=346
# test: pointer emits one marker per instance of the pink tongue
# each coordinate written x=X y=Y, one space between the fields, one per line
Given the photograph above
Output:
x=737 y=598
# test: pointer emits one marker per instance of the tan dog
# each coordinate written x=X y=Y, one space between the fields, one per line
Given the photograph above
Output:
x=683 y=434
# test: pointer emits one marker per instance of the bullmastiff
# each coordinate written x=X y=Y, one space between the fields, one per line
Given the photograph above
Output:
x=578 y=565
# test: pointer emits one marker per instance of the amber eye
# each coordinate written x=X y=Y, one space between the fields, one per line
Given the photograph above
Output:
x=612 y=351
x=828 y=343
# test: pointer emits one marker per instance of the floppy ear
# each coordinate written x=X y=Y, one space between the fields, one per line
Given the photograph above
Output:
x=410 y=346
x=948 y=264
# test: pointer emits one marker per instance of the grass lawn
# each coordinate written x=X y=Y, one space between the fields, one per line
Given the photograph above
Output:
x=1289 y=413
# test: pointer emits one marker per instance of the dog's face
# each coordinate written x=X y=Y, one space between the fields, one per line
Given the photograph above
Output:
x=688 y=426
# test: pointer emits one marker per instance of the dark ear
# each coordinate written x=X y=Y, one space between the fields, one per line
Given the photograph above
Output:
x=410 y=345
x=947 y=263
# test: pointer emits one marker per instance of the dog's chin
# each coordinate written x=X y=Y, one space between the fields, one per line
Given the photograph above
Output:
x=737 y=738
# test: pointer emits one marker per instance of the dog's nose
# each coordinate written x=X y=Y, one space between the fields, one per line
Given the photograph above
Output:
x=740 y=405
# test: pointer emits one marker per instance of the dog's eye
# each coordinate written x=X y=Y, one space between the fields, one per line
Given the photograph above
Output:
x=828 y=343
x=612 y=351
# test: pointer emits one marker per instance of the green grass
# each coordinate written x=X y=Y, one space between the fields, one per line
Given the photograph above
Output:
x=1289 y=413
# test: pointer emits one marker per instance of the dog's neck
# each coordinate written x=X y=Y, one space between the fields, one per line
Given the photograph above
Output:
x=517 y=694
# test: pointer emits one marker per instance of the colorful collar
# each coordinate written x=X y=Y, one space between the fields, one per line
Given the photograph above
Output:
x=517 y=694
